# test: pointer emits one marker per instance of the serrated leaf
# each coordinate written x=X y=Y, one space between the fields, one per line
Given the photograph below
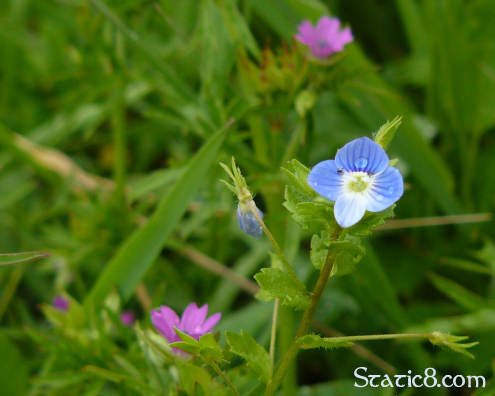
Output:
x=369 y=222
x=315 y=216
x=297 y=175
x=209 y=347
x=276 y=283
x=312 y=341
x=254 y=354
x=346 y=252
x=309 y=210
x=191 y=376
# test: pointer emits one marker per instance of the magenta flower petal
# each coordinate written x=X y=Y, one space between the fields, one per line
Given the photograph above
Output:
x=127 y=318
x=211 y=322
x=327 y=26
x=165 y=319
x=306 y=33
x=192 y=322
x=192 y=319
x=61 y=303
x=325 y=39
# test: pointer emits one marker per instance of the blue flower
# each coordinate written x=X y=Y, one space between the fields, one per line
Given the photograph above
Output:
x=359 y=179
x=248 y=222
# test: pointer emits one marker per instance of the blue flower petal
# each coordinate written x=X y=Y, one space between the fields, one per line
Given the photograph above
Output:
x=248 y=222
x=349 y=209
x=325 y=179
x=387 y=188
x=362 y=155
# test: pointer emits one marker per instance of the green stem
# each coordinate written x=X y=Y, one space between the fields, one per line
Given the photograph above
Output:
x=304 y=326
x=381 y=337
x=224 y=377
x=278 y=250
x=273 y=335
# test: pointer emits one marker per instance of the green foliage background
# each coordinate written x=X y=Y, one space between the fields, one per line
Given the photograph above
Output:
x=112 y=122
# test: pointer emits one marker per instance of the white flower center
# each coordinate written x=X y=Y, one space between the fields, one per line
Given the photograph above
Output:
x=357 y=182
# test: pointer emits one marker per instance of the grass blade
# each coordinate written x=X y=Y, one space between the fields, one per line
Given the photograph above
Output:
x=136 y=255
x=21 y=257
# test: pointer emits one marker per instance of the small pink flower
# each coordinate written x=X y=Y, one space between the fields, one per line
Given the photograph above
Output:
x=61 y=303
x=127 y=318
x=193 y=321
x=325 y=39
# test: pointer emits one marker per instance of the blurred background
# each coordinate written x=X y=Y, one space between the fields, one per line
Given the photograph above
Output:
x=102 y=106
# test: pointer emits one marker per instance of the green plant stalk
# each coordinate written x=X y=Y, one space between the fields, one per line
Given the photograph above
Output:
x=304 y=326
x=10 y=288
x=222 y=374
x=278 y=250
x=119 y=141
x=280 y=253
x=273 y=336
x=382 y=337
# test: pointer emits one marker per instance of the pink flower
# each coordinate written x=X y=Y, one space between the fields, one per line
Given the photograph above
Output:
x=325 y=39
x=192 y=321
x=127 y=318
x=61 y=303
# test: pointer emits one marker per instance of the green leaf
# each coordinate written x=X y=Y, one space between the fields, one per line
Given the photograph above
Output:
x=308 y=209
x=369 y=222
x=297 y=175
x=21 y=257
x=192 y=377
x=104 y=373
x=209 y=347
x=216 y=52
x=347 y=252
x=186 y=337
x=278 y=14
x=459 y=294
x=254 y=354
x=453 y=343
x=312 y=341
x=188 y=343
x=136 y=255
x=386 y=133
x=186 y=347
x=13 y=369
x=206 y=346
x=276 y=283
x=238 y=27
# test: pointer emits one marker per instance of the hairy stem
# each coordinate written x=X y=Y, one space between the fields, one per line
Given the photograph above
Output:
x=303 y=326
x=278 y=250
x=224 y=377
x=382 y=337
x=273 y=335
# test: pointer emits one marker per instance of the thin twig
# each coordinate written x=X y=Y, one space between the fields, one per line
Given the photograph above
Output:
x=214 y=266
x=435 y=221
x=357 y=348
x=60 y=163
x=143 y=296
